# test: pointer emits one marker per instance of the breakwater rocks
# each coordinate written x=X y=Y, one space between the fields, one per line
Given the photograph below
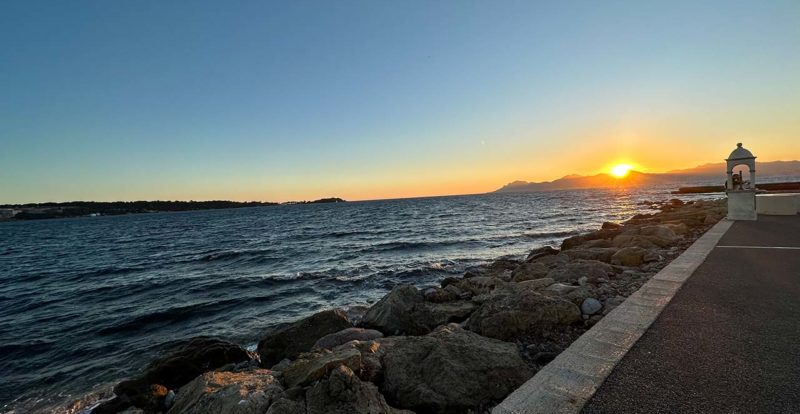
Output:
x=459 y=347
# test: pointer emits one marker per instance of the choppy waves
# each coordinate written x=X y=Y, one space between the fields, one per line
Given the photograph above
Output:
x=85 y=302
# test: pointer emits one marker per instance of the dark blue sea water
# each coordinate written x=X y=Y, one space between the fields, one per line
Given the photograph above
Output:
x=87 y=301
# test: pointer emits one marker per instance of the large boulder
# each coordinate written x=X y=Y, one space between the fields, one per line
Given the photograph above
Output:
x=660 y=231
x=554 y=260
x=440 y=295
x=502 y=268
x=536 y=284
x=346 y=335
x=575 y=241
x=478 y=285
x=287 y=406
x=576 y=269
x=249 y=392
x=678 y=228
x=629 y=256
x=450 y=370
x=602 y=254
x=290 y=340
x=529 y=271
x=344 y=393
x=182 y=363
x=512 y=313
x=405 y=311
x=541 y=252
x=638 y=240
x=310 y=367
x=392 y=314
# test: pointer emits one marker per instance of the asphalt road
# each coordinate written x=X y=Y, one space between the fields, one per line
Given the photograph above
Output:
x=729 y=341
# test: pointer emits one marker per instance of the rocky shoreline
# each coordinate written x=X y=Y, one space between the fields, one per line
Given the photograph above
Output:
x=458 y=348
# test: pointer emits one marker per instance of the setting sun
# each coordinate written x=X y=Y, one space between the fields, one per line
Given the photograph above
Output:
x=621 y=170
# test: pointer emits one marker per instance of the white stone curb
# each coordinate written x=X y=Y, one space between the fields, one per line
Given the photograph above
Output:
x=570 y=380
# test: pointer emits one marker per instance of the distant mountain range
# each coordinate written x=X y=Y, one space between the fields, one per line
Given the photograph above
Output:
x=706 y=172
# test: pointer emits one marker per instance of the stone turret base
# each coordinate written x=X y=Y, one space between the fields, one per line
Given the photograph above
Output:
x=742 y=205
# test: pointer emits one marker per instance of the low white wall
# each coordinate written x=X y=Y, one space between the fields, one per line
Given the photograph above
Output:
x=784 y=204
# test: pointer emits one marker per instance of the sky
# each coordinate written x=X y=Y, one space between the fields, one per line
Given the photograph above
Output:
x=292 y=100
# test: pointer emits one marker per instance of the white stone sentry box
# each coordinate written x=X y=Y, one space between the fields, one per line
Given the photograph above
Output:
x=741 y=193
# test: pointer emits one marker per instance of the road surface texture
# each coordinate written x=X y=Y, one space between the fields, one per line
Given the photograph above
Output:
x=729 y=341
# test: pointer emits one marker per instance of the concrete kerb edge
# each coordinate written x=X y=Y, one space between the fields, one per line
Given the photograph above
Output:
x=570 y=380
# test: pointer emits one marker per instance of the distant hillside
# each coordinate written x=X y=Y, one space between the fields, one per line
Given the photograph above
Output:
x=771 y=168
x=635 y=178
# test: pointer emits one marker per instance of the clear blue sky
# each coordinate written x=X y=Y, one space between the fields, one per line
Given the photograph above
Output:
x=111 y=100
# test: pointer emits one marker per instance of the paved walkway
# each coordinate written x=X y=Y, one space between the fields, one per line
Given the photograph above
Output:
x=729 y=341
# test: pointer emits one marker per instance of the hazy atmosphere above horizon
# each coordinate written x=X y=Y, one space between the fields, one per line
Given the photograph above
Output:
x=275 y=101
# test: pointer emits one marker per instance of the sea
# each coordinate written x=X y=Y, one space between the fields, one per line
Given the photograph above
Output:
x=85 y=302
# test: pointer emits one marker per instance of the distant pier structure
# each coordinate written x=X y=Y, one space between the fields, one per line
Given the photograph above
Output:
x=741 y=193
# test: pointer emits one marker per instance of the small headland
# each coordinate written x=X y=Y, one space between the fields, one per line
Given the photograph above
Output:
x=460 y=347
x=40 y=211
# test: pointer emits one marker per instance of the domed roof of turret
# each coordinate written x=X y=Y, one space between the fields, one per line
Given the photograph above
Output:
x=740 y=153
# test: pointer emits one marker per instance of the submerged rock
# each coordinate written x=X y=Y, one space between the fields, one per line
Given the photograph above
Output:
x=290 y=340
x=510 y=314
x=450 y=370
x=228 y=392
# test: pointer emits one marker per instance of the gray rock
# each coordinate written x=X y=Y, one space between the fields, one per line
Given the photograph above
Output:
x=651 y=256
x=405 y=311
x=182 y=363
x=660 y=231
x=451 y=370
x=560 y=288
x=553 y=261
x=507 y=315
x=612 y=303
x=574 y=270
x=629 y=256
x=290 y=340
x=529 y=271
x=228 y=392
x=281 y=366
x=169 y=399
x=344 y=393
x=346 y=335
x=312 y=366
x=439 y=295
x=392 y=314
x=287 y=406
x=590 y=306
x=536 y=284
x=638 y=240
x=542 y=252
x=602 y=254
